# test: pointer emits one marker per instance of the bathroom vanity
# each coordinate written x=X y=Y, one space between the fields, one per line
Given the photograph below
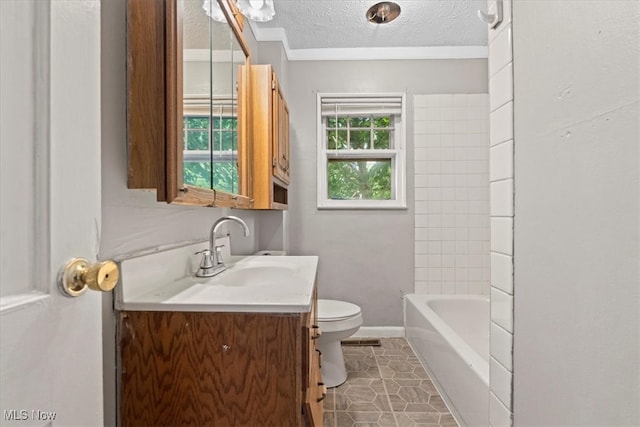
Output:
x=238 y=349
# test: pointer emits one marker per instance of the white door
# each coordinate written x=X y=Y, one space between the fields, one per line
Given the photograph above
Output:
x=50 y=351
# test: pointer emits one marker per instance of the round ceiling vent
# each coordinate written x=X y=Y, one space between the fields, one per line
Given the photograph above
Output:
x=383 y=12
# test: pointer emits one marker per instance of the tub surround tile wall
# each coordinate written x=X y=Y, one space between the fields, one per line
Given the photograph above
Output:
x=502 y=206
x=451 y=195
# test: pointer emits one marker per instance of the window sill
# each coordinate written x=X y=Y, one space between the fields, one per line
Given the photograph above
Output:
x=361 y=206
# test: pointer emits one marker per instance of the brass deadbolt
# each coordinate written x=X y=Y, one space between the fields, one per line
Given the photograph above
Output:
x=79 y=274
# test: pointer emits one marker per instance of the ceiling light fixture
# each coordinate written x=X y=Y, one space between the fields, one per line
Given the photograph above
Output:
x=383 y=12
x=213 y=10
x=256 y=10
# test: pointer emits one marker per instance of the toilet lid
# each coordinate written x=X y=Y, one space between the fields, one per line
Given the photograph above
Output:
x=332 y=310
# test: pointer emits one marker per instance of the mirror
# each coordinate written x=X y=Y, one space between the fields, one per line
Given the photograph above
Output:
x=186 y=103
x=212 y=57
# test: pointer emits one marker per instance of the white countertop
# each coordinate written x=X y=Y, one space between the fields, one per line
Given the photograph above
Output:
x=266 y=284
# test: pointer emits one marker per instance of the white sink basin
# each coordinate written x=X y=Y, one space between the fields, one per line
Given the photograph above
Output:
x=249 y=284
x=251 y=274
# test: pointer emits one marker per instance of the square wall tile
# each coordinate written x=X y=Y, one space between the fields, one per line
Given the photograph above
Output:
x=502 y=272
x=460 y=100
x=420 y=153
x=421 y=234
x=501 y=87
x=446 y=100
x=421 y=287
x=501 y=382
x=420 y=140
x=434 y=288
x=502 y=309
x=501 y=123
x=501 y=346
x=500 y=50
x=501 y=161
x=502 y=235
x=499 y=415
x=421 y=181
x=502 y=198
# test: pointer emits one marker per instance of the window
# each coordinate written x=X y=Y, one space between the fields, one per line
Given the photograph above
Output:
x=210 y=145
x=361 y=151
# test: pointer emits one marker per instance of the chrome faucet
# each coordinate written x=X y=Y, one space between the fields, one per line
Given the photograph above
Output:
x=212 y=262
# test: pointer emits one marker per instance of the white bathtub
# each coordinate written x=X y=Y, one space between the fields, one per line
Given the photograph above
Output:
x=450 y=335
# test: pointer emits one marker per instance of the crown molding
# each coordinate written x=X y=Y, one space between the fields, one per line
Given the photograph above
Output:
x=366 y=53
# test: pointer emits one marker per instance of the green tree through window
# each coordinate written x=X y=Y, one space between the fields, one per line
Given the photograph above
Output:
x=362 y=178
x=200 y=155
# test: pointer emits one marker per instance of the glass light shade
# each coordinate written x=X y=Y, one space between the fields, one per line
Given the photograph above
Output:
x=213 y=10
x=257 y=10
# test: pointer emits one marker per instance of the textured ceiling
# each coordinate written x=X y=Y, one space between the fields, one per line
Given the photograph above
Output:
x=331 y=24
x=199 y=29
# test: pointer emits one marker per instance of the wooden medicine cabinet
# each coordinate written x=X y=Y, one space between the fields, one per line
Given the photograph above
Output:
x=186 y=103
x=269 y=132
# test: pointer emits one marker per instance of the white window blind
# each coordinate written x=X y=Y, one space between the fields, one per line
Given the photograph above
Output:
x=223 y=106
x=332 y=106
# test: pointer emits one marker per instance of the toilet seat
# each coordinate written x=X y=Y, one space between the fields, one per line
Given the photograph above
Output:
x=335 y=311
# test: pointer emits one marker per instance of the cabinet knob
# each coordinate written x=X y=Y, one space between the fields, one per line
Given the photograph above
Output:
x=79 y=274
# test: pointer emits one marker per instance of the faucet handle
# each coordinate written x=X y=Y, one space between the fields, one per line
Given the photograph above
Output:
x=207 y=258
x=218 y=254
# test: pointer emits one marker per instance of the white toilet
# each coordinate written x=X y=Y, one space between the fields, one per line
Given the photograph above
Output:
x=337 y=320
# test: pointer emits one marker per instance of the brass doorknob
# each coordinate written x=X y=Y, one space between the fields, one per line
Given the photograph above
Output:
x=79 y=275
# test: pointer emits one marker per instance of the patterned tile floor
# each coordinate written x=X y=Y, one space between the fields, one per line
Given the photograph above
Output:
x=387 y=386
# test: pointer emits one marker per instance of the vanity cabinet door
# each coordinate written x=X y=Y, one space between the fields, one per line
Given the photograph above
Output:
x=281 y=134
x=210 y=369
x=269 y=139
x=316 y=391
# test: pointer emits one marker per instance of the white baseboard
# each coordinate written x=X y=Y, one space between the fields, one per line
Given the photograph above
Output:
x=379 y=332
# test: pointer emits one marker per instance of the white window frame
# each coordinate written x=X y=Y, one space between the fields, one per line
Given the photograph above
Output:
x=397 y=155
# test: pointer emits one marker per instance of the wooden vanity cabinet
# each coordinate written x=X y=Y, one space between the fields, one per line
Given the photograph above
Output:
x=218 y=369
x=316 y=391
x=269 y=133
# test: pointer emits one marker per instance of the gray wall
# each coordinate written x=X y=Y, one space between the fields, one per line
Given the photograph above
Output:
x=366 y=257
x=577 y=280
